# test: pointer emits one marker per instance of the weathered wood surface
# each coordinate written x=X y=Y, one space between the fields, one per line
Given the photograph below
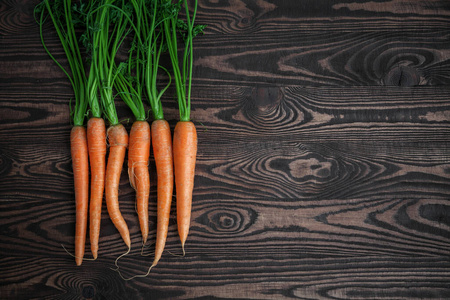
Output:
x=323 y=166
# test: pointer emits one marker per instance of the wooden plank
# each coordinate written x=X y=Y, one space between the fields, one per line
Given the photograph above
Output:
x=282 y=44
x=331 y=43
x=243 y=277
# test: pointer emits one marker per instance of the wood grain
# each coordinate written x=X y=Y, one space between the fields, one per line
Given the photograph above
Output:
x=250 y=277
x=328 y=44
x=323 y=163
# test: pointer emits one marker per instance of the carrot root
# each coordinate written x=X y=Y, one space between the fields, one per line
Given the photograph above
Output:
x=96 y=136
x=163 y=154
x=184 y=153
x=117 y=269
x=80 y=165
x=135 y=276
x=73 y=255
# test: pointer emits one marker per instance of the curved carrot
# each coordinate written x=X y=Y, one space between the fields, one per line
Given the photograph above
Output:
x=80 y=165
x=96 y=137
x=118 y=142
x=138 y=156
x=184 y=157
x=162 y=152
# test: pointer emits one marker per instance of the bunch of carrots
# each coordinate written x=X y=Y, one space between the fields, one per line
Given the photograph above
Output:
x=92 y=35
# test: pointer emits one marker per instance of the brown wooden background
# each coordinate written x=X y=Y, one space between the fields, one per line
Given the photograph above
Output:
x=323 y=165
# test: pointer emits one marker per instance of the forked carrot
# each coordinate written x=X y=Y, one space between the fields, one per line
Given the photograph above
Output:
x=138 y=150
x=162 y=152
x=80 y=165
x=118 y=143
x=138 y=156
x=96 y=136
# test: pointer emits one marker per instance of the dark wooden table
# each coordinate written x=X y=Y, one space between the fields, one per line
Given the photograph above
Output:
x=323 y=166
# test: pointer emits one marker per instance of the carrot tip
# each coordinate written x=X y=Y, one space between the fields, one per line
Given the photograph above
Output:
x=173 y=254
x=117 y=269
x=143 y=248
x=117 y=260
x=78 y=259
x=135 y=276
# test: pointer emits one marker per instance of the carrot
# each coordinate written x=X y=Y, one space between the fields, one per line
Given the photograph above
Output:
x=96 y=142
x=184 y=153
x=104 y=42
x=118 y=142
x=96 y=136
x=185 y=134
x=139 y=150
x=138 y=156
x=161 y=136
x=96 y=131
x=80 y=165
x=162 y=152
x=60 y=15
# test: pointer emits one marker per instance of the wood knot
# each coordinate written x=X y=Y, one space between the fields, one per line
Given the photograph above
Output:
x=266 y=98
x=227 y=220
x=402 y=76
x=437 y=213
x=88 y=292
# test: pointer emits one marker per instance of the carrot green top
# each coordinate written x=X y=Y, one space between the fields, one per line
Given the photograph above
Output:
x=153 y=47
x=129 y=82
x=60 y=13
x=79 y=16
x=143 y=62
x=182 y=73
x=107 y=23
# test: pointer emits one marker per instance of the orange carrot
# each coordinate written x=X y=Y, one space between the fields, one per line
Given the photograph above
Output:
x=96 y=136
x=80 y=165
x=138 y=155
x=55 y=11
x=162 y=151
x=184 y=157
x=118 y=142
x=185 y=135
